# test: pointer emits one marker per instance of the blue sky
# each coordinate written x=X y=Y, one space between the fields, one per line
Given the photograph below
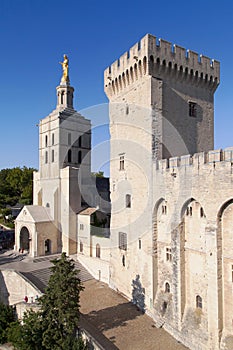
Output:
x=35 y=34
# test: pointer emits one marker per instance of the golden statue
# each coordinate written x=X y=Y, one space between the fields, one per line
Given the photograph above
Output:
x=65 y=67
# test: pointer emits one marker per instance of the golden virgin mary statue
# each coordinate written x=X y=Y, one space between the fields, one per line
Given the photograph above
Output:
x=65 y=67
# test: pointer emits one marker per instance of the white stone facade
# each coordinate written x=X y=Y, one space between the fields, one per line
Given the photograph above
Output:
x=175 y=236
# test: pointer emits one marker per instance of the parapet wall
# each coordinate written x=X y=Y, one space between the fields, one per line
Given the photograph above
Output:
x=149 y=55
x=197 y=159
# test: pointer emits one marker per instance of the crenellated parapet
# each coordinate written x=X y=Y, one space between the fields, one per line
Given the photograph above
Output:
x=197 y=160
x=159 y=58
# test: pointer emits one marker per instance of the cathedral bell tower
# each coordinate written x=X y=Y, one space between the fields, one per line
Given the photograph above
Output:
x=64 y=161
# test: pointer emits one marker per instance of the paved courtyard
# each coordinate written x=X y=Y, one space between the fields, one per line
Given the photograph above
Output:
x=109 y=313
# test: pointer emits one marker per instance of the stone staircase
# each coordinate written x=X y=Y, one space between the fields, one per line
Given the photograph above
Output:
x=40 y=277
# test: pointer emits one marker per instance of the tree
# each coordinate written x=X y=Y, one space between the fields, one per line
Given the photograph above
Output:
x=16 y=186
x=7 y=316
x=60 y=304
x=54 y=326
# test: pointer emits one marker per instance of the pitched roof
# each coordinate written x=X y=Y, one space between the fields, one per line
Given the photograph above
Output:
x=39 y=213
x=88 y=211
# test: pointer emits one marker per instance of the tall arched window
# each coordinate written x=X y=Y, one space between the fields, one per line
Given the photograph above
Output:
x=46 y=157
x=69 y=156
x=97 y=253
x=52 y=155
x=46 y=140
x=79 y=157
x=52 y=139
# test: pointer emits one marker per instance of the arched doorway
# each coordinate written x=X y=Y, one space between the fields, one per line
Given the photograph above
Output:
x=24 y=238
x=47 y=246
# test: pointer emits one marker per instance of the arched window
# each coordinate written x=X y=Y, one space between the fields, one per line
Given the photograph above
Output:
x=80 y=141
x=79 y=157
x=47 y=245
x=97 y=253
x=167 y=287
x=52 y=156
x=46 y=157
x=46 y=140
x=199 y=302
x=52 y=139
x=69 y=156
x=81 y=247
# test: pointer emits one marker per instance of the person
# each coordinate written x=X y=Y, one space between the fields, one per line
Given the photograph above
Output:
x=65 y=67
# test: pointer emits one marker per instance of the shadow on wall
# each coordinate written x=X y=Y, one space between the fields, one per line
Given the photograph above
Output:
x=138 y=294
x=4 y=295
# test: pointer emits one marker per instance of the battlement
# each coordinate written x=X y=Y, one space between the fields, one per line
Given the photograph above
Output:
x=157 y=57
x=197 y=159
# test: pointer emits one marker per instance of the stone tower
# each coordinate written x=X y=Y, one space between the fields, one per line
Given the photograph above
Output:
x=64 y=161
x=161 y=106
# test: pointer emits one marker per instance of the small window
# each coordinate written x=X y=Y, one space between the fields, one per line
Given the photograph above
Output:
x=52 y=156
x=167 y=287
x=46 y=141
x=199 y=302
x=168 y=254
x=187 y=211
x=47 y=205
x=69 y=139
x=192 y=109
x=123 y=240
x=81 y=226
x=52 y=139
x=128 y=201
x=46 y=157
x=81 y=247
x=139 y=244
x=191 y=211
x=127 y=110
x=97 y=250
x=122 y=162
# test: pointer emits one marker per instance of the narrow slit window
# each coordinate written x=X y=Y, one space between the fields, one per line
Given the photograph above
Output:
x=199 y=302
x=128 y=201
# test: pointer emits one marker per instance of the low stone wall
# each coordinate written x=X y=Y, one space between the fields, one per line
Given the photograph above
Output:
x=98 y=268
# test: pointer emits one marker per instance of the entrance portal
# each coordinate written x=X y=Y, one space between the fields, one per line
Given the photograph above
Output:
x=24 y=238
x=47 y=246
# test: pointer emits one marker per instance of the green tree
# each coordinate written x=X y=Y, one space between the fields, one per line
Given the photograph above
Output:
x=60 y=304
x=16 y=186
x=7 y=316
